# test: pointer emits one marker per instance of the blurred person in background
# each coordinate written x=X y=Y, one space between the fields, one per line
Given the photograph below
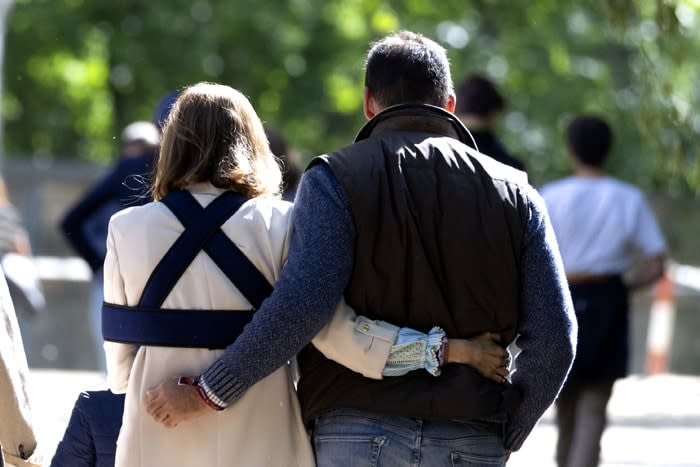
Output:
x=604 y=228
x=126 y=184
x=139 y=140
x=288 y=158
x=479 y=105
x=15 y=254
x=17 y=432
x=13 y=236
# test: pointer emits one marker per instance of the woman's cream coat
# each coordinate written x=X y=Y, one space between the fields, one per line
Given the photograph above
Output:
x=264 y=427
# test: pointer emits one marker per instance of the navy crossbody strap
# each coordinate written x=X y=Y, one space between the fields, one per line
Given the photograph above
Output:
x=207 y=329
x=225 y=254
x=198 y=230
x=238 y=268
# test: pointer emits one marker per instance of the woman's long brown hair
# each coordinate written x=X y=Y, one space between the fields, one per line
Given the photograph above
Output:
x=214 y=135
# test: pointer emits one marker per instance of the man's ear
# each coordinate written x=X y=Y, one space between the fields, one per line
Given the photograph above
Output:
x=369 y=105
x=451 y=103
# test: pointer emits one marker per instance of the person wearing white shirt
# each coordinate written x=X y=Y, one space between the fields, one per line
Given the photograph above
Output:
x=611 y=245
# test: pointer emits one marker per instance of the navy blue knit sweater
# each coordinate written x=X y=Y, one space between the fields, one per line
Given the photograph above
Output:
x=319 y=266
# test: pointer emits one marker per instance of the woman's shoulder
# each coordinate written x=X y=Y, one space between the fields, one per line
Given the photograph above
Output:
x=146 y=213
x=268 y=210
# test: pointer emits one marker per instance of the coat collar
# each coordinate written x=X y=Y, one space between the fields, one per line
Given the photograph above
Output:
x=205 y=188
x=418 y=118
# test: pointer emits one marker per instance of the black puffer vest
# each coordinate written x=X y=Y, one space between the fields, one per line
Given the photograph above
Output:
x=439 y=229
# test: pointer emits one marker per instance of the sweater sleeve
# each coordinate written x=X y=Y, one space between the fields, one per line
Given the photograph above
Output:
x=310 y=286
x=548 y=329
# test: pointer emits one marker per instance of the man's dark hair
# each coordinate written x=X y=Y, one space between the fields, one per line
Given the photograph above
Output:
x=477 y=95
x=408 y=68
x=589 y=139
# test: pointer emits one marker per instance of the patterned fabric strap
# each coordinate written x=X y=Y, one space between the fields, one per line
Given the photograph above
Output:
x=415 y=350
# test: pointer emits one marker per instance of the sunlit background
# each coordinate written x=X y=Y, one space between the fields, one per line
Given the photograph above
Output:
x=75 y=72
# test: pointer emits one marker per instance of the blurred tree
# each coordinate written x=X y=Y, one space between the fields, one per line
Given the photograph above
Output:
x=77 y=71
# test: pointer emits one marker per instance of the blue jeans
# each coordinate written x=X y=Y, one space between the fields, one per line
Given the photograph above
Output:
x=354 y=438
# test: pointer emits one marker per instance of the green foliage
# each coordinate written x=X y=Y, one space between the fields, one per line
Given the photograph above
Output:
x=78 y=71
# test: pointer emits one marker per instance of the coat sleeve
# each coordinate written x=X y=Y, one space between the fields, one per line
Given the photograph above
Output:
x=77 y=449
x=16 y=427
x=119 y=356
x=356 y=342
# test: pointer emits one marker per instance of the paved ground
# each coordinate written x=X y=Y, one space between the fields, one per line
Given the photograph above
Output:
x=655 y=421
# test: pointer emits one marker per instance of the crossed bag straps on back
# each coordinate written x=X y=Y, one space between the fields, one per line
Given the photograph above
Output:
x=149 y=324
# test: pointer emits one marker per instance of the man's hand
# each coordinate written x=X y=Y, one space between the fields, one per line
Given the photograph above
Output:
x=483 y=352
x=171 y=403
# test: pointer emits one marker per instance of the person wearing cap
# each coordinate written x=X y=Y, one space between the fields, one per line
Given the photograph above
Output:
x=138 y=138
x=126 y=184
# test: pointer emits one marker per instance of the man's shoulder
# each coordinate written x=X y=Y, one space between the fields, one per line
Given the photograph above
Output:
x=624 y=188
x=320 y=171
x=555 y=186
x=496 y=169
x=487 y=143
x=339 y=156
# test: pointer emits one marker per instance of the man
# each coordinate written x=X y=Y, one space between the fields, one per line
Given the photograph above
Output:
x=412 y=227
x=479 y=104
x=603 y=226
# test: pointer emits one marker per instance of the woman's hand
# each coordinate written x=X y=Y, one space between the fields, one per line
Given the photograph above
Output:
x=483 y=352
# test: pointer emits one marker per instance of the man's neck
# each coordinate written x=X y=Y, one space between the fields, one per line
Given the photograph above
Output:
x=588 y=171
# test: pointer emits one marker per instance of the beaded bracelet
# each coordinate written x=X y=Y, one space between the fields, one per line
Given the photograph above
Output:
x=186 y=380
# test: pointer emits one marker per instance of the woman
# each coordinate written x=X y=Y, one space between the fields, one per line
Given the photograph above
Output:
x=214 y=149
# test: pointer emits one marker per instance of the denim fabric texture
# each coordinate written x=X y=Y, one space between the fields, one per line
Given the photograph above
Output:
x=354 y=438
